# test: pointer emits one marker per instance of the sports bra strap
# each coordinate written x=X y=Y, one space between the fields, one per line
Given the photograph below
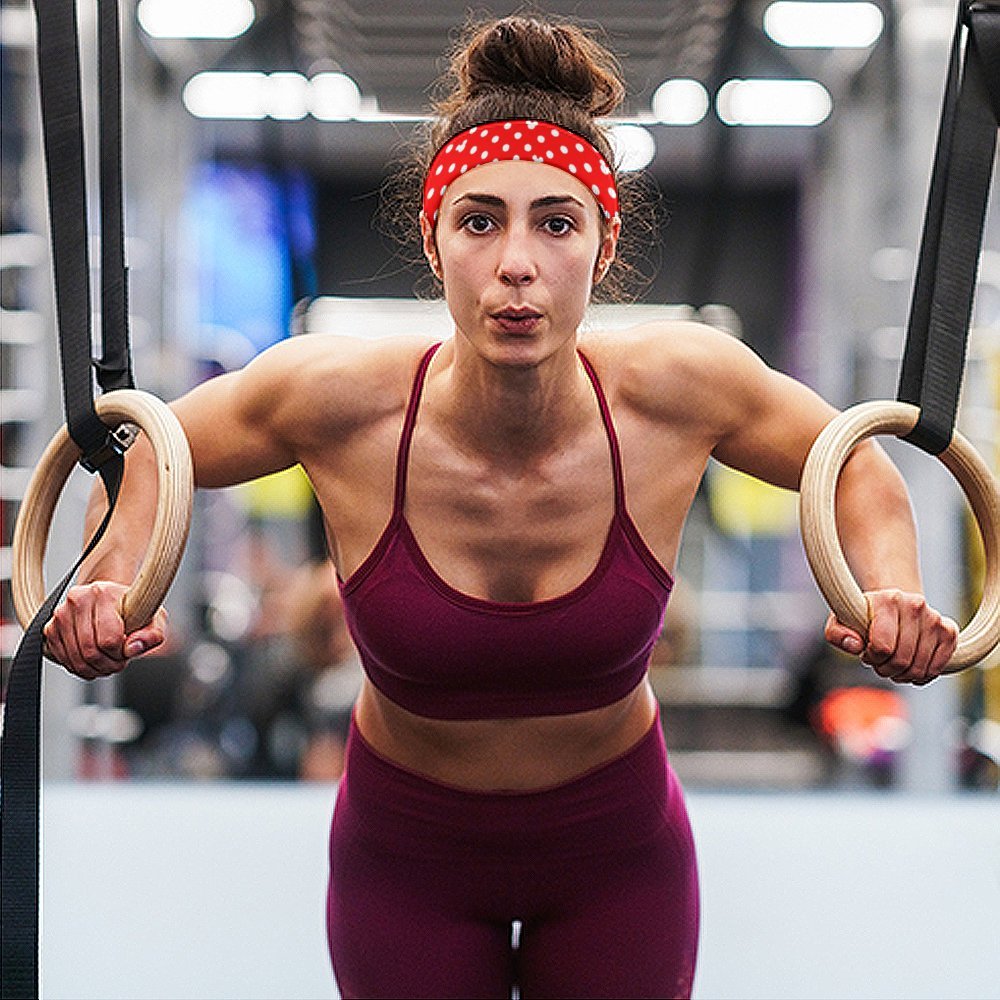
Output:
x=403 y=455
x=409 y=422
x=609 y=427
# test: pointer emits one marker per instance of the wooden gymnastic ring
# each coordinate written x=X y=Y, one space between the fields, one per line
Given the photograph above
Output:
x=175 y=489
x=819 y=528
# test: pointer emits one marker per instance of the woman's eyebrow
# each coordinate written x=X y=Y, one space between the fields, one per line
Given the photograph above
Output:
x=496 y=202
x=481 y=199
x=556 y=199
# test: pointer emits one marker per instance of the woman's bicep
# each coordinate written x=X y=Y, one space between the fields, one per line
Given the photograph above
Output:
x=777 y=421
x=232 y=427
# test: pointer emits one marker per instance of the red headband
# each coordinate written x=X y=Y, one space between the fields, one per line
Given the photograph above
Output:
x=541 y=142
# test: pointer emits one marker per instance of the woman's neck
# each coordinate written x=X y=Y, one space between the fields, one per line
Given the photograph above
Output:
x=514 y=412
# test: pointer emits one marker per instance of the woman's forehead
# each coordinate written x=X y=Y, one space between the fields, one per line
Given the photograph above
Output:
x=518 y=183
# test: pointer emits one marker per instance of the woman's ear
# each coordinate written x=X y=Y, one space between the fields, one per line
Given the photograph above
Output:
x=430 y=246
x=609 y=247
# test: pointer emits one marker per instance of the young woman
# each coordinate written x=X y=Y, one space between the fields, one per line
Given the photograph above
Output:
x=504 y=510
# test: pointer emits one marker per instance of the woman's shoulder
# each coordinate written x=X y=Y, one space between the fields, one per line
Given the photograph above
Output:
x=660 y=365
x=339 y=379
x=325 y=353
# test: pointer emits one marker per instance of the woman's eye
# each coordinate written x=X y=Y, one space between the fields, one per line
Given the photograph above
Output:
x=558 y=225
x=477 y=223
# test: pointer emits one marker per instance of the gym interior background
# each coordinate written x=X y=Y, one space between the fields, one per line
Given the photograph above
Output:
x=788 y=214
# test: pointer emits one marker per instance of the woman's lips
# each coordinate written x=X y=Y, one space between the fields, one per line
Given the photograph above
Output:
x=517 y=321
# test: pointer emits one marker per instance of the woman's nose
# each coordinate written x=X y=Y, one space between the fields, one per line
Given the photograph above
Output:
x=516 y=266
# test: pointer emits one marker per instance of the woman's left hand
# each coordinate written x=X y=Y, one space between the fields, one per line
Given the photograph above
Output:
x=908 y=641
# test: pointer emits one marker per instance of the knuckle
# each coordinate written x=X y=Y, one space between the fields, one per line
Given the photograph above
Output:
x=948 y=630
x=76 y=597
x=879 y=647
x=894 y=596
x=933 y=619
x=89 y=651
x=107 y=646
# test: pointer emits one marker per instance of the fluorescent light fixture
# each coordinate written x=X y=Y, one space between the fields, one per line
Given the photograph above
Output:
x=634 y=147
x=824 y=25
x=227 y=95
x=195 y=18
x=334 y=97
x=17 y=27
x=288 y=96
x=680 y=101
x=773 y=102
x=892 y=264
x=283 y=96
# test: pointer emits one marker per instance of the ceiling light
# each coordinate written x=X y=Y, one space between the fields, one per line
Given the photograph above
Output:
x=195 y=18
x=287 y=96
x=284 y=96
x=773 y=102
x=680 y=101
x=829 y=25
x=334 y=97
x=634 y=147
x=17 y=27
x=227 y=95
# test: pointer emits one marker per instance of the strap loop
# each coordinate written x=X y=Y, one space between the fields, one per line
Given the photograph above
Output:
x=943 y=292
x=116 y=443
x=62 y=125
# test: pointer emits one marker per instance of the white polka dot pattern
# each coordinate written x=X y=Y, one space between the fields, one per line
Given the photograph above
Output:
x=531 y=141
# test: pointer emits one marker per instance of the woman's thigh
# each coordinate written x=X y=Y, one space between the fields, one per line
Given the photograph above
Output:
x=393 y=934
x=426 y=880
x=403 y=953
x=629 y=932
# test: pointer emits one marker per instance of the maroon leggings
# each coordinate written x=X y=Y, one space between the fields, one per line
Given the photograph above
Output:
x=427 y=882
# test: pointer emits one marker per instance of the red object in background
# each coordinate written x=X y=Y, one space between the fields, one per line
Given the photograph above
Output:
x=863 y=722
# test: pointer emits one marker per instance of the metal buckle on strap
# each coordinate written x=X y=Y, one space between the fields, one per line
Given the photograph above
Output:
x=116 y=443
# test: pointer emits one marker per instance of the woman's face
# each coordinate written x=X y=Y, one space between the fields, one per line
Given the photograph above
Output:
x=518 y=247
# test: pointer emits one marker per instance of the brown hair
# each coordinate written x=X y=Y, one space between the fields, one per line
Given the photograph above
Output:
x=529 y=67
x=523 y=67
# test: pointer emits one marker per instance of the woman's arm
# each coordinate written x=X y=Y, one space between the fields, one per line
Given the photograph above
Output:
x=907 y=640
x=239 y=426
x=764 y=423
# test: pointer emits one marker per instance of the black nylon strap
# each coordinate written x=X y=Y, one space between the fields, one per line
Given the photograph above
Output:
x=114 y=369
x=62 y=130
x=62 y=126
x=62 y=119
x=20 y=781
x=944 y=287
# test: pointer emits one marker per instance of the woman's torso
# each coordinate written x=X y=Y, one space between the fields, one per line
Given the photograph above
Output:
x=522 y=533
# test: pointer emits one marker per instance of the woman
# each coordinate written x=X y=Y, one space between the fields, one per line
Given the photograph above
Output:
x=506 y=769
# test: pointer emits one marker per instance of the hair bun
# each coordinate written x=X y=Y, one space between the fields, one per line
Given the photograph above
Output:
x=524 y=53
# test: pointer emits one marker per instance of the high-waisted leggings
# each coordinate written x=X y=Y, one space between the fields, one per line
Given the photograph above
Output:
x=596 y=877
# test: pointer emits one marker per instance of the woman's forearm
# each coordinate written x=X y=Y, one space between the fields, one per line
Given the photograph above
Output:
x=906 y=640
x=875 y=522
x=120 y=551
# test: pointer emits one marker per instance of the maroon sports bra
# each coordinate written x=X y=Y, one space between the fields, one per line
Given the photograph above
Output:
x=444 y=654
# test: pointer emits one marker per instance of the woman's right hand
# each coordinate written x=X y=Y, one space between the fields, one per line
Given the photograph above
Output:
x=87 y=633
